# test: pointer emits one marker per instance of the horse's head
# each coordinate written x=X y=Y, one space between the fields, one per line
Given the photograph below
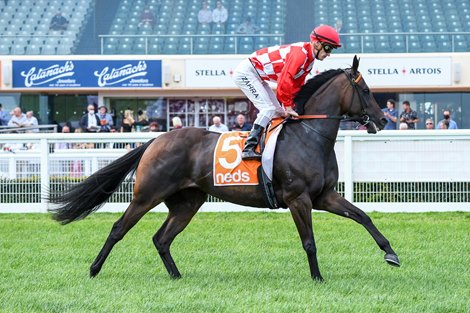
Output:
x=360 y=103
x=344 y=92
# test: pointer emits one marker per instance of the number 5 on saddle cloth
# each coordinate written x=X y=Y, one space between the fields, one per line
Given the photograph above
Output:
x=230 y=170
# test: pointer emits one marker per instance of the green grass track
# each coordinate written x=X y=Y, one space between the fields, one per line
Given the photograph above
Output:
x=236 y=262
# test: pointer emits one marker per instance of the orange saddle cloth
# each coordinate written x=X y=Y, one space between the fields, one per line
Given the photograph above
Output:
x=229 y=168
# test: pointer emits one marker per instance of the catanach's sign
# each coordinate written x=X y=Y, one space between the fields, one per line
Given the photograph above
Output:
x=87 y=74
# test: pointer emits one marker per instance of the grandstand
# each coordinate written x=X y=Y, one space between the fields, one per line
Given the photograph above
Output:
x=399 y=25
x=368 y=26
x=25 y=26
x=179 y=32
x=376 y=26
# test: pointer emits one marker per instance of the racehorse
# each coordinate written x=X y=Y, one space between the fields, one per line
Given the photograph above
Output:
x=175 y=168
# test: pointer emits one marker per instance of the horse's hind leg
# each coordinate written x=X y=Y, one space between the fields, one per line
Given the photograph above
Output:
x=334 y=203
x=183 y=205
x=132 y=215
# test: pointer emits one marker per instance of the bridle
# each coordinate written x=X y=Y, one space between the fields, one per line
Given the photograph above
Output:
x=364 y=119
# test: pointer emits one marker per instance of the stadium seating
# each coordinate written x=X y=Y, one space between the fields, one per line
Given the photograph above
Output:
x=25 y=26
x=179 y=18
x=373 y=23
x=400 y=16
x=376 y=26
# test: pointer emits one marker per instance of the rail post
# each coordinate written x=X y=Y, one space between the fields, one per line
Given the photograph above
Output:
x=45 y=179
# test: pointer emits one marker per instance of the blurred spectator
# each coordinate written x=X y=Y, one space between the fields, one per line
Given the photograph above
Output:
x=241 y=124
x=347 y=125
x=58 y=22
x=142 y=120
x=205 y=14
x=127 y=126
x=339 y=26
x=391 y=115
x=177 y=123
x=403 y=126
x=147 y=18
x=4 y=116
x=429 y=123
x=220 y=14
x=13 y=147
x=408 y=116
x=63 y=145
x=106 y=120
x=127 y=121
x=444 y=124
x=18 y=119
x=218 y=126
x=247 y=27
x=90 y=123
x=76 y=168
x=65 y=165
x=31 y=121
x=450 y=122
x=154 y=127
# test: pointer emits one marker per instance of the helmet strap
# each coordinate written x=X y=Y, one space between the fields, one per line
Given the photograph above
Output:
x=318 y=50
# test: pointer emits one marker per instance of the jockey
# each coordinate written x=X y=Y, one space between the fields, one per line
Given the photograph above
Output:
x=288 y=65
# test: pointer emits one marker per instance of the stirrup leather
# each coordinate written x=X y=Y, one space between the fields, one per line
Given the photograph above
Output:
x=250 y=154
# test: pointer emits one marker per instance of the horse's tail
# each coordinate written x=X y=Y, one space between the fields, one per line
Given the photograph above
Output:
x=88 y=196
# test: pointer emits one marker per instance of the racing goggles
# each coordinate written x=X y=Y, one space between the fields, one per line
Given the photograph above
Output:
x=327 y=47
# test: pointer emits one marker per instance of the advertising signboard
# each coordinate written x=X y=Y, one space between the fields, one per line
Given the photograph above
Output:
x=58 y=74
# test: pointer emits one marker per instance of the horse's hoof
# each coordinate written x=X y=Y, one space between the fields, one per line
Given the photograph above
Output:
x=175 y=276
x=318 y=279
x=94 y=271
x=392 y=259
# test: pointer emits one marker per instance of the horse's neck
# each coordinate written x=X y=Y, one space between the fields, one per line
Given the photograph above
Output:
x=326 y=101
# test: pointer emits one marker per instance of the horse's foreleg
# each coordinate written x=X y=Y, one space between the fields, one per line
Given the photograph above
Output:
x=131 y=216
x=301 y=210
x=334 y=203
x=183 y=206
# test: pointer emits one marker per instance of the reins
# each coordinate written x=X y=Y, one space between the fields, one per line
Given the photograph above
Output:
x=320 y=116
x=364 y=119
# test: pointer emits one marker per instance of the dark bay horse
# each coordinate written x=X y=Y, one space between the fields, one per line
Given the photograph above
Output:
x=176 y=168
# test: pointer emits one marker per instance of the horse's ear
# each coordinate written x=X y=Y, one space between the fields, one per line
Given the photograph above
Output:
x=355 y=64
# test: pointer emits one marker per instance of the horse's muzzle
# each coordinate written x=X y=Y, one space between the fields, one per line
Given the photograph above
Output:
x=383 y=122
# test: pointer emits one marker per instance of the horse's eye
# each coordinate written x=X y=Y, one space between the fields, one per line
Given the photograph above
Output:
x=366 y=91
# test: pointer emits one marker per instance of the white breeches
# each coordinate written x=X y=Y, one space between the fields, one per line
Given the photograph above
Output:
x=258 y=91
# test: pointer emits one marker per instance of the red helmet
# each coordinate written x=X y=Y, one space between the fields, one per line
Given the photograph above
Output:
x=326 y=34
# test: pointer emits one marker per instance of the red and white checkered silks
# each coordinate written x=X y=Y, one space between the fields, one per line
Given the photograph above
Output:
x=288 y=65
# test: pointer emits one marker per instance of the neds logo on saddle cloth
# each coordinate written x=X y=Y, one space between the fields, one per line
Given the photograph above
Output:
x=229 y=168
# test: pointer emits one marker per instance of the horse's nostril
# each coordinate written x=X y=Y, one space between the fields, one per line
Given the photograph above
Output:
x=383 y=121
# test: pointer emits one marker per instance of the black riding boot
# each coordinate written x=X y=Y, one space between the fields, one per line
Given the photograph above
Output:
x=251 y=143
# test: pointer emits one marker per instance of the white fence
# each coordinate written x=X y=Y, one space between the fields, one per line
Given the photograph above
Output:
x=406 y=171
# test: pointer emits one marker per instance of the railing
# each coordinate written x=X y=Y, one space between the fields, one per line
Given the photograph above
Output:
x=412 y=42
x=353 y=42
x=28 y=129
x=278 y=39
x=21 y=43
x=420 y=170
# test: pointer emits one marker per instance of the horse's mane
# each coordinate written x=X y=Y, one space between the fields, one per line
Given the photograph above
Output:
x=312 y=85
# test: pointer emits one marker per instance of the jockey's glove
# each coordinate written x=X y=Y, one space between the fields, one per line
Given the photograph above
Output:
x=290 y=111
